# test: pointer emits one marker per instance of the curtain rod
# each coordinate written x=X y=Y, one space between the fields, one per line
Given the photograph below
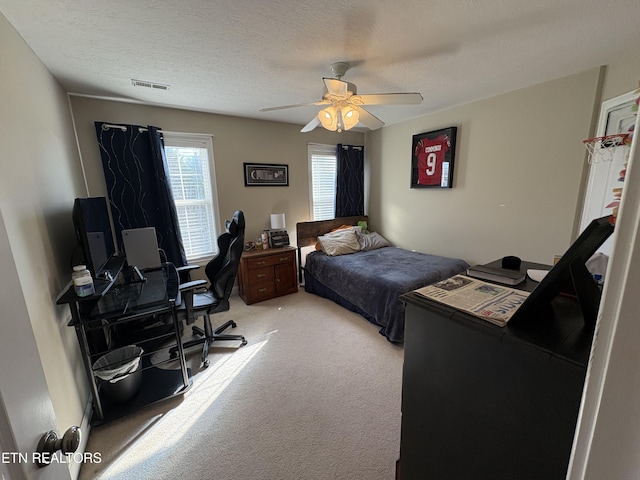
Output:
x=106 y=126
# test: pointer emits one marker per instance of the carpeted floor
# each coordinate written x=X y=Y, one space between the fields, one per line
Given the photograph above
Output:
x=315 y=394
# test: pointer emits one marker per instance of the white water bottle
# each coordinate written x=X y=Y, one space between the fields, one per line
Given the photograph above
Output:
x=82 y=281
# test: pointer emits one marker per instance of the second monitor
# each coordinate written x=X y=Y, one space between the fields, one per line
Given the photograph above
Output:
x=141 y=248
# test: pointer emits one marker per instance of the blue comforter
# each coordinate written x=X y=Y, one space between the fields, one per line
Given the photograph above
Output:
x=372 y=281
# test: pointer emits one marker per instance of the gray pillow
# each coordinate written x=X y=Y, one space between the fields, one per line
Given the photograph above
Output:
x=371 y=241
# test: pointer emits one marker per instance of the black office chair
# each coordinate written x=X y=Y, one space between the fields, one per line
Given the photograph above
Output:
x=221 y=272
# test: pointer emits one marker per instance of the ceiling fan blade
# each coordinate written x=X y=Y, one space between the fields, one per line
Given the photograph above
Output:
x=391 y=99
x=336 y=87
x=311 y=125
x=320 y=102
x=368 y=120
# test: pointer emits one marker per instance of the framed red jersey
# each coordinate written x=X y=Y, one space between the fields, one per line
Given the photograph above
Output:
x=432 y=158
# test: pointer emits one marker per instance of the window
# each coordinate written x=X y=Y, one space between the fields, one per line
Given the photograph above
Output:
x=192 y=177
x=323 y=166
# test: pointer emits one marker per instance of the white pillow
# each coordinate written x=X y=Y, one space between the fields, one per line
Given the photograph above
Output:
x=353 y=228
x=340 y=242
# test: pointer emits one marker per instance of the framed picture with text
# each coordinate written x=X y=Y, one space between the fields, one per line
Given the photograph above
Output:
x=432 y=157
x=266 y=175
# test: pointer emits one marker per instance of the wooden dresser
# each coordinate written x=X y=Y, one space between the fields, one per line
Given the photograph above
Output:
x=265 y=274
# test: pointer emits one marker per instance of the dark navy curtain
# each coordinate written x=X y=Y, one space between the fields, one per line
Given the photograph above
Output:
x=139 y=191
x=350 y=180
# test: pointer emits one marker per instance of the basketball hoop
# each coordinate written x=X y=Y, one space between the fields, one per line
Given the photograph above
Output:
x=602 y=149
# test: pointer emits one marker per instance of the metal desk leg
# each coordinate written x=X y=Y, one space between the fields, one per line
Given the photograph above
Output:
x=176 y=328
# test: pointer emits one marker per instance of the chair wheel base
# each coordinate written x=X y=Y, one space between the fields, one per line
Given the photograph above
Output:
x=208 y=338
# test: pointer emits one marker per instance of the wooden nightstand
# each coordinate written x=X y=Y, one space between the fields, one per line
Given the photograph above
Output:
x=265 y=274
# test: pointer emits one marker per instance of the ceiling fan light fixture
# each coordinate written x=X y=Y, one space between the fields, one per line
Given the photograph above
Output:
x=350 y=117
x=339 y=118
x=344 y=106
x=329 y=118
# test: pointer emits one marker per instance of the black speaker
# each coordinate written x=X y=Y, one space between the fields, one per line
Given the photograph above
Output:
x=511 y=262
x=278 y=238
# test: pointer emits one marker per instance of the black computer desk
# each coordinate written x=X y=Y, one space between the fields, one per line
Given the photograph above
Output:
x=123 y=304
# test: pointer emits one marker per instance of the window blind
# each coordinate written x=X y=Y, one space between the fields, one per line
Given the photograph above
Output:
x=191 y=184
x=322 y=168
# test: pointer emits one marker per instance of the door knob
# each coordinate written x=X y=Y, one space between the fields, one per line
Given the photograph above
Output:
x=50 y=443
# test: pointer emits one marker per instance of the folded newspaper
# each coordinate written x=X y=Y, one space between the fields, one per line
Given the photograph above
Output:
x=491 y=302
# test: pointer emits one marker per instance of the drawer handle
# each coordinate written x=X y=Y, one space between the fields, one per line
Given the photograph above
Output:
x=284 y=259
x=261 y=263
x=260 y=290
x=261 y=275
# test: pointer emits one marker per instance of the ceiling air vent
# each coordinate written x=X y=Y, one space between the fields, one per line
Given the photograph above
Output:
x=145 y=84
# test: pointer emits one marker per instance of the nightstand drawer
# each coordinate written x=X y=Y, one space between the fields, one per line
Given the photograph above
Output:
x=261 y=291
x=260 y=275
x=270 y=260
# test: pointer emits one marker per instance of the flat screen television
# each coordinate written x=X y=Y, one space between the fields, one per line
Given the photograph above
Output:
x=93 y=232
x=571 y=268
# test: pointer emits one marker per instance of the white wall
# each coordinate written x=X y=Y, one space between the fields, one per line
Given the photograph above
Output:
x=608 y=435
x=609 y=428
x=518 y=175
x=39 y=177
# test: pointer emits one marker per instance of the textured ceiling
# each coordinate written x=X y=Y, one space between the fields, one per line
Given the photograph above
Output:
x=237 y=56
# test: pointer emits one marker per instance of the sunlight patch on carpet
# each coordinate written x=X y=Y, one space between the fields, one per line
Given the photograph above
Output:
x=167 y=433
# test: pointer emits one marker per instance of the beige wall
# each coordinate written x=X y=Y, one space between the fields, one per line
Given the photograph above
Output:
x=235 y=140
x=623 y=75
x=513 y=170
x=518 y=175
x=39 y=177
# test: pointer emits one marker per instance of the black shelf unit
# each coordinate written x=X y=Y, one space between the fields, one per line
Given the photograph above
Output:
x=157 y=385
x=119 y=314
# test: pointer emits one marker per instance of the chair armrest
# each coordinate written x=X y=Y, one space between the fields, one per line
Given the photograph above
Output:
x=191 y=285
x=187 y=268
x=184 y=272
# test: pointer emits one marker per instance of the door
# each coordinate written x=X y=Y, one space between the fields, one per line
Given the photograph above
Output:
x=26 y=410
x=285 y=277
x=616 y=116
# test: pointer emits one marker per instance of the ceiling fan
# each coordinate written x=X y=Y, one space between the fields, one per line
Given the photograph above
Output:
x=344 y=105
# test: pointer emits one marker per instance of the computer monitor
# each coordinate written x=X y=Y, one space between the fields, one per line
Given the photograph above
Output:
x=93 y=232
x=571 y=267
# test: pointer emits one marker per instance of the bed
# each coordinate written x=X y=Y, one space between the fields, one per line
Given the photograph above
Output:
x=369 y=281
